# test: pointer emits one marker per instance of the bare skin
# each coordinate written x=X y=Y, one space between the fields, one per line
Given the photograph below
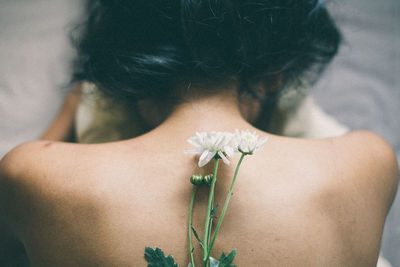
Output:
x=296 y=203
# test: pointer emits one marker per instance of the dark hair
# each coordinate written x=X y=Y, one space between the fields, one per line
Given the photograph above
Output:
x=136 y=49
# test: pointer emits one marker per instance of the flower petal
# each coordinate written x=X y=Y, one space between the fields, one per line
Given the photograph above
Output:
x=206 y=157
x=226 y=161
x=229 y=151
x=194 y=141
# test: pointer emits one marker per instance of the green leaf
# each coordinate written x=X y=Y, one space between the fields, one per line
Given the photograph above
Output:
x=190 y=265
x=214 y=262
x=225 y=261
x=156 y=258
x=197 y=236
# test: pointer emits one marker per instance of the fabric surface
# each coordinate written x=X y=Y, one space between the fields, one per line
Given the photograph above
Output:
x=35 y=57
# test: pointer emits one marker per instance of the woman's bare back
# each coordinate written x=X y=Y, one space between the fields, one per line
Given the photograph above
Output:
x=296 y=203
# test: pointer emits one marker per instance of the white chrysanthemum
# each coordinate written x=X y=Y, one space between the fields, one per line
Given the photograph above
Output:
x=210 y=144
x=248 y=142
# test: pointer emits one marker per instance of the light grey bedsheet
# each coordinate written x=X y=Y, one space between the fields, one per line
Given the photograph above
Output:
x=35 y=60
x=361 y=88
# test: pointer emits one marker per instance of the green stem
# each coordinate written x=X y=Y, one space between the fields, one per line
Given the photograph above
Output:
x=210 y=226
x=228 y=197
x=209 y=208
x=190 y=224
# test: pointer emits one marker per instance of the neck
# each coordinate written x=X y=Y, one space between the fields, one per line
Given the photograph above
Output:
x=218 y=112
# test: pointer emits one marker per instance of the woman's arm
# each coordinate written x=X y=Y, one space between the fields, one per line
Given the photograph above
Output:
x=62 y=128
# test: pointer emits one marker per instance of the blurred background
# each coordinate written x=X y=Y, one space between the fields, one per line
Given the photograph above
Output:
x=361 y=88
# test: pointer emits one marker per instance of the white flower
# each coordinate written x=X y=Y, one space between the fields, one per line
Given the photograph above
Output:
x=248 y=143
x=211 y=144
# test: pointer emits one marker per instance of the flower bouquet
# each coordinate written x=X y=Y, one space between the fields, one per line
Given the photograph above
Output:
x=216 y=146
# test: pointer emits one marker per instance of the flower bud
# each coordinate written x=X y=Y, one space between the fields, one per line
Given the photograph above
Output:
x=196 y=179
x=207 y=179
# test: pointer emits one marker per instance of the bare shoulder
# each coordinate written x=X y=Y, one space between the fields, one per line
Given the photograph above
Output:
x=17 y=171
x=372 y=163
x=358 y=164
x=24 y=167
x=361 y=185
x=34 y=169
x=20 y=162
x=41 y=182
x=371 y=142
x=50 y=165
x=56 y=168
x=367 y=167
x=29 y=158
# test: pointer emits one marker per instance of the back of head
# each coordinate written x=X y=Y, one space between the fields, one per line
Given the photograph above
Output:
x=136 y=49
